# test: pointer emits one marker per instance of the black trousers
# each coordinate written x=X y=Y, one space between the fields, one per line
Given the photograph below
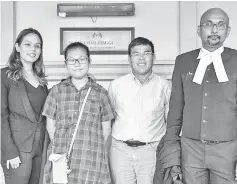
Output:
x=208 y=163
x=29 y=169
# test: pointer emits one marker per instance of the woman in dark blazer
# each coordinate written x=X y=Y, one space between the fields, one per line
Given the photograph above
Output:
x=23 y=93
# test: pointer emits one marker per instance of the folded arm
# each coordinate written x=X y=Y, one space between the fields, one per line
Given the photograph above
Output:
x=170 y=154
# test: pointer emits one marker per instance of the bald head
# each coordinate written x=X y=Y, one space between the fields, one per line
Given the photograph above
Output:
x=215 y=12
x=213 y=29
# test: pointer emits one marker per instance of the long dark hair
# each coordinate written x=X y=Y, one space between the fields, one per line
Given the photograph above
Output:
x=14 y=62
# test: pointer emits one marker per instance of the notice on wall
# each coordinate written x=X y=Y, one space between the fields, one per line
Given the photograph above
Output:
x=99 y=40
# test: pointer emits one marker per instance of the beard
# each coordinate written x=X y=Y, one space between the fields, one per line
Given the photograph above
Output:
x=213 y=40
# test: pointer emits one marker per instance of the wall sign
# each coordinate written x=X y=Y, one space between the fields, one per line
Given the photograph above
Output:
x=106 y=40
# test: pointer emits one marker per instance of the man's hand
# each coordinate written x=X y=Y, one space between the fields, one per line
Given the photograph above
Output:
x=15 y=162
x=176 y=174
x=177 y=178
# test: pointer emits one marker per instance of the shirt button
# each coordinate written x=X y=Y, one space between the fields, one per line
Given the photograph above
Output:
x=204 y=121
x=205 y=94
x=207 y=81
x=204 y=107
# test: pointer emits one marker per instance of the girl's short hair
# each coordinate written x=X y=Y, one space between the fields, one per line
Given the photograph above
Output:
x=77 y=45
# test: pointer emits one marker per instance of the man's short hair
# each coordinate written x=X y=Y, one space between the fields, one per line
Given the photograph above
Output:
x=140 y=41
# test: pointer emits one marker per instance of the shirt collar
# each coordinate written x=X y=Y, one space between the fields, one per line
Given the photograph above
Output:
x=90 y=83
x=204 y=52
x=147 y=80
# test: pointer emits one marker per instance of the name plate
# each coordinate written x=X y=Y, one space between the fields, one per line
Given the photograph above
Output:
x=99 y=40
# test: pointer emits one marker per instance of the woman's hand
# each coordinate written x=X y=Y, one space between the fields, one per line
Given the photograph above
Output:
x=236 y=171
x=15 y=162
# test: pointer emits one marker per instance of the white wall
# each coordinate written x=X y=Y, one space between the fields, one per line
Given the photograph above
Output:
x=152 y=20
x=170 y=25
x=158 y=21
x=7 y=30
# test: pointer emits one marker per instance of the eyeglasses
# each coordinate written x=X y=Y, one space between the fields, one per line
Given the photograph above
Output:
x=219 y=25
x=146 y=54
x=81 y=60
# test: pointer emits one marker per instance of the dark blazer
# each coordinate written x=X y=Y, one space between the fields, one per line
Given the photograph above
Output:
x=203 y=112
x=206 y=111
x=18 y=120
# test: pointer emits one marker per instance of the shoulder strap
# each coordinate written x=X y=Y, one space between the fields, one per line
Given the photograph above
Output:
x=78 y=121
